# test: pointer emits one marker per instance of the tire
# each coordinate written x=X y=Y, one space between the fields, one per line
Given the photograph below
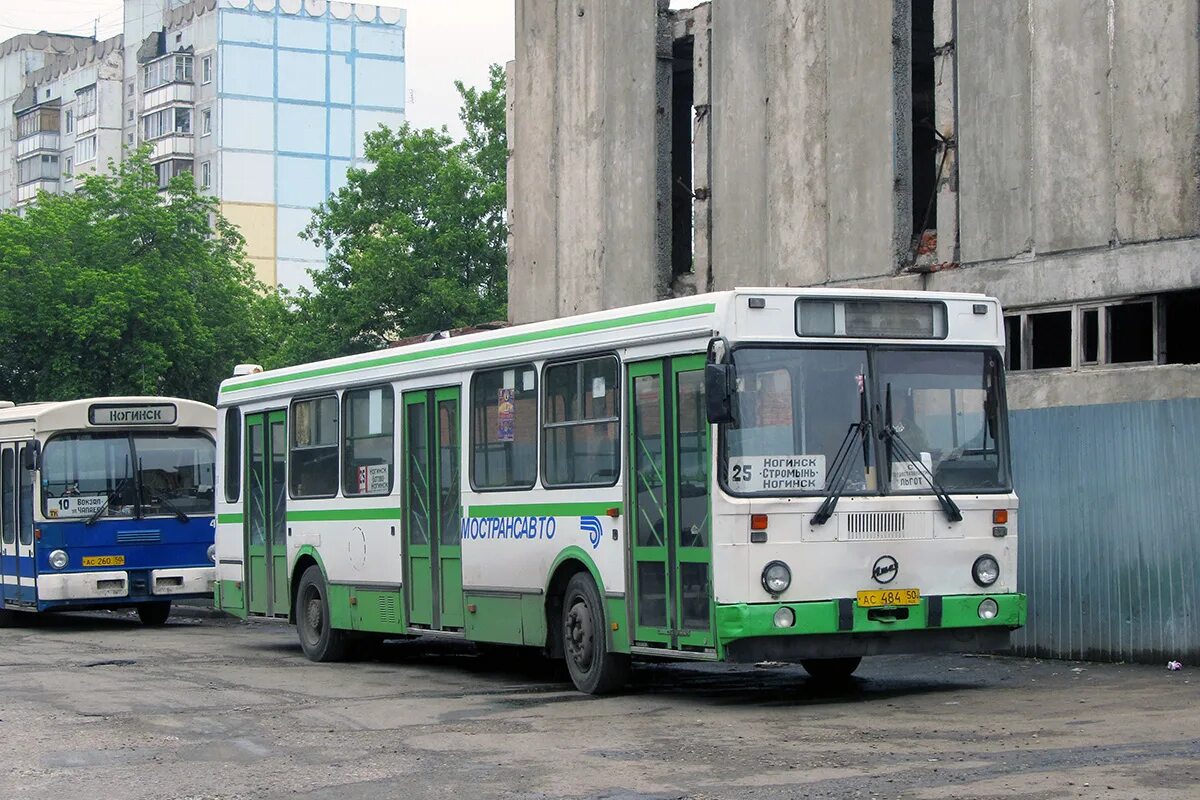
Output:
x=593 y=669
x=318 y=638
x=831 y=670
x=154 y=614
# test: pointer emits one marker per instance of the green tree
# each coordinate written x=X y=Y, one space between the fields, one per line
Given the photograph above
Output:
x=417 y=241
x=119 y=288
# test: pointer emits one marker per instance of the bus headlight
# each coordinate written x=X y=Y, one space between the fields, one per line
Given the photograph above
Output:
x=988 y=609
x=58 y=559
x=212 y=553
x=784 y=617
x=776 y=577
x=986 y=570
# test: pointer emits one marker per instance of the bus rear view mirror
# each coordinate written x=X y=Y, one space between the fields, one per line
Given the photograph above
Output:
x=718 y=392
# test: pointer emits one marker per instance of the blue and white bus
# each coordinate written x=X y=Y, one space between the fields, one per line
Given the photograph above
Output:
x=106 y=503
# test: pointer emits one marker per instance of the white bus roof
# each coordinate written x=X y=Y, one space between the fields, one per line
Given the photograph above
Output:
x=698 y=316
x=28 y=419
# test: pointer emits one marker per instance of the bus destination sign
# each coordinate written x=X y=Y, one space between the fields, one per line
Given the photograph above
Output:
x=152 y=414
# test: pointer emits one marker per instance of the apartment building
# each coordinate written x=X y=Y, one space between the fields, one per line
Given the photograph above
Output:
x=264 y=102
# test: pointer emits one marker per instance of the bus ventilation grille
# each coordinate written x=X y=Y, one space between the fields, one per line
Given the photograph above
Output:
x=389 y=609
x=138 y=537
x=868 y=525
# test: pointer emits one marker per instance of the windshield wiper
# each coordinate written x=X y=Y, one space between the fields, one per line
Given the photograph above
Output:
x=839 y=473
x=116 y=492
x=897 y=444
x=179 y=515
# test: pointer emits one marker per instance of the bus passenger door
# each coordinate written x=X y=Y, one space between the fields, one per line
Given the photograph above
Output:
x=432 y=500
x=266 y=514
x=671 y=541
x=9 y=573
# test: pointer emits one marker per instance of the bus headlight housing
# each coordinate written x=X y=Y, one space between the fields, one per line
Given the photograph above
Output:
x=988 y=609
x=212 y=553
x=986 y=570
x=58 y=559
x=776 y=577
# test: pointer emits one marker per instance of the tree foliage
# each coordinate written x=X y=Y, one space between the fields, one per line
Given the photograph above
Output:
x=416 y=241
x=119 y=288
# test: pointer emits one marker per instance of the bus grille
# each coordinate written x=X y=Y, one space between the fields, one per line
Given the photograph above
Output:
x=138 y=537
x=389 y=609
x=873 y=525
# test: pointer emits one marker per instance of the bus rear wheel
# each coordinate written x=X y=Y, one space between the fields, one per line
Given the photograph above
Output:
x=318 y=638
x=831 y=670
x=594 y=670
x=154 y=614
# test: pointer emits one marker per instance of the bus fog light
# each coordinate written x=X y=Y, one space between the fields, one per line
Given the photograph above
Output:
x=785 y=618
x=986 y=570
x=212 y=553
x=776 y=577
x=988 y=609
x=58 y=559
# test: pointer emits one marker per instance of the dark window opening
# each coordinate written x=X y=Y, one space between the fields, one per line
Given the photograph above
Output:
x=1089 y=336
x=1130 y=333
x=1050 y=339
x=1012 y=342
x=1181 y=327
x=682 y=214
x=924 y=140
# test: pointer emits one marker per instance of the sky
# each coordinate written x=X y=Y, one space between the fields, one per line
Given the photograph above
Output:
x=447 y=40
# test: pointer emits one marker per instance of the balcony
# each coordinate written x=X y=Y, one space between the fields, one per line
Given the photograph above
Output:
x=86 y=124
x=176 y=144
x=29 y=191
x=44 y=140
x=170 y=94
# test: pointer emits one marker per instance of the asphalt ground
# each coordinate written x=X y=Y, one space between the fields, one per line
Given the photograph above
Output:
x=210 y=708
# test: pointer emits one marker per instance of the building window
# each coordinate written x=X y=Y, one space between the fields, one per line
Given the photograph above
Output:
x=206 y=122
x=67 y=164
x=85 y=101
x=85 y=150
x=38 y=121
x=69 y=121
x=166 y=170
x=314 y=454
x=206 y=69
x=129 y=88
x=368 y=444
x=580 y=421
x=167 y=122
x=504 y=428
x=172 y=69
x=37 y=168
x=205 y=175
x=129 y=138
x=130 y=115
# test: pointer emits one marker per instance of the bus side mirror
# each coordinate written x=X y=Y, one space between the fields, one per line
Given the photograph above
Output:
x=29 y=455
x=718 y=392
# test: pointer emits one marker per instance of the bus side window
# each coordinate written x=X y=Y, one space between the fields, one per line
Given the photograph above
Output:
x=368 y=440
x=580 y=422
x=233 y=454
x=8 y=503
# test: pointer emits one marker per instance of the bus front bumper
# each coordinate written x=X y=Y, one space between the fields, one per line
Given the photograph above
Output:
x=840 y=628
x=116 y=584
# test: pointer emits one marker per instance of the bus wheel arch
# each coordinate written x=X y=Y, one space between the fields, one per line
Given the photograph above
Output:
x=303 y=562
x=556 y=588
x=575 y=611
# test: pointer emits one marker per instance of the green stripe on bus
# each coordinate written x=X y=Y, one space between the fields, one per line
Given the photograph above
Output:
x=230 y=518
x=343 y=514
x=544 y=510
x=472 y=346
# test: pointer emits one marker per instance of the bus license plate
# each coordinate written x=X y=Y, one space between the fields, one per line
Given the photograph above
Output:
x=104 y=561
x=889 y=597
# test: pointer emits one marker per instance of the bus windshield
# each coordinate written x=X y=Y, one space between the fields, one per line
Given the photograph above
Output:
x=139 y=475
x=795 y=409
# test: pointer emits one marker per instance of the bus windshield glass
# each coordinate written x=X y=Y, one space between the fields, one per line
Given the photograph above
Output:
x=796 y=408
x=144 y=474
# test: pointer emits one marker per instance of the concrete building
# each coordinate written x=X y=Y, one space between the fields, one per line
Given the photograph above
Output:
x=1045 y=153
x=265 y=102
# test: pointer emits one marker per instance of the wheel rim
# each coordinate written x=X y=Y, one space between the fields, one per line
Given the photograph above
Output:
x=313 y=614
x=578 y=634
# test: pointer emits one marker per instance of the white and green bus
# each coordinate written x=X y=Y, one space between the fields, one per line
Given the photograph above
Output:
x=809 y=476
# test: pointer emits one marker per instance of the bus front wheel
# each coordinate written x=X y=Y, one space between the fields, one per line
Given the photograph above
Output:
x=594 y=670
x=831 y=669
x=318 y=638
x=154 y=614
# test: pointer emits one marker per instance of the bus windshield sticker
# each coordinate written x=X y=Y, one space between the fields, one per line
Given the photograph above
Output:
x=527 y=379
x=598 y=388
x=79 y=506
x=801 y=473
x=906 y=475
x=506 y=413
x=373 y=478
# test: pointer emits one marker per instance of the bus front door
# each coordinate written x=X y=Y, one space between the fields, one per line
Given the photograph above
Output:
x=16 y=528
x=266 y=514
x=671 y=540
x=433 y=508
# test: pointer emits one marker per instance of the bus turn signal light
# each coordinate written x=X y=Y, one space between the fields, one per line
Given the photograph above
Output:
x=1000 y=516
x=758 y=522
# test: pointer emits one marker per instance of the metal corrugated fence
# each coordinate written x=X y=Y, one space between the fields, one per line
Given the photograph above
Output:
x=1110 y=530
